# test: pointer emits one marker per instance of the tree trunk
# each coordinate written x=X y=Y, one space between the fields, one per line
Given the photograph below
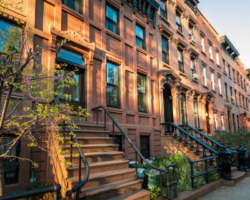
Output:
x=2 y=185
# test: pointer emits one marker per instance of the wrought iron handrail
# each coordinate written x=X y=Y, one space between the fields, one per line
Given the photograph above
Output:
x=78 y=187
x=56 y=189
x=208 y=138
x=135 y=148
x=192 y=137
x=206 y=169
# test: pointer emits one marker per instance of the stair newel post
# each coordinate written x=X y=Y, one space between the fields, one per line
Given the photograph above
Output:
x=167 y=182
x=80 y=168
x=161 y=185
x=170 y=129
x=180 y=137
x=242 y=159
x=97 y=116
x=197 y=149
x=71 y=148
x=77 y=194
x=136 y=165
x=225 y=164
x=186 y=140
x=232 y=160
x=192 y=174
x=175 y=134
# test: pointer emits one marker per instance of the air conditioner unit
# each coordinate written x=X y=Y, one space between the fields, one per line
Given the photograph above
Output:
x=195 y=76
x=193 y=39
x=223 y=128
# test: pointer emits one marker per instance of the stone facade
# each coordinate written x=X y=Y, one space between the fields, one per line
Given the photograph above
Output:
x=49 y=21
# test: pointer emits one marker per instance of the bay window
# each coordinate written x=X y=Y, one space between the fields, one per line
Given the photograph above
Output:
x=112 y=85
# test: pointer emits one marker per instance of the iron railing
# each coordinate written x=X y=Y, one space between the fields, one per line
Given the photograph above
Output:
x=114 y=123
x=55 y=189
x=206 y=172
x=82 y=157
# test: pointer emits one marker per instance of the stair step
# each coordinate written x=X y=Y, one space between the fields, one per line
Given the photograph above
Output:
x=95 y=157
x=238 y=175
x=90 y=140
x=104 y=178
x=135 y=195
x=111 y=190
x=83 y=126
x=98 y=167
x=92 y=148
x=89 y=133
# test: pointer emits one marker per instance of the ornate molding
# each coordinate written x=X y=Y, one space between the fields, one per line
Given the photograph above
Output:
x=112 y=59
x=165 y=31
x=193 y=53
x=181 y=43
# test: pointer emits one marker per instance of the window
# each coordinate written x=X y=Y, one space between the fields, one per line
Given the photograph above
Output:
x=210 y=51
x=219 y=84
x=238 y=121
x=180 y=60
x=229 y=71
x=217 y=58
x=191 y=32
x=140 y=37
x=204 y=75
x=235 y=96
x=240 y=99
x=238 y=77
x=7 y=31
x=224 y=65
x=76 y=5
x=165 y=50
x=243 y=101
x=212 y=80
x=196 y=115
x=112 y=19
x=233 y=74
x=215 y=122
x=202 y=43
x=222 y=122
x=192 y=62
x=11 y=168
x=141 y=89
x=241 y=81
x=226 y=94
x=183 y=109
x=234 y=123
x=244 y=84
x=163 y=7
x=112 y=85
x=231 y=93
x=178 y=21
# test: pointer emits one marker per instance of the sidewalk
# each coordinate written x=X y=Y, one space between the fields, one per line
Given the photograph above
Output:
x=239 y=192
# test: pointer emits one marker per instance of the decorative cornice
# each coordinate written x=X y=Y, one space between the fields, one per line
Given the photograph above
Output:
x=165 y=31
x=112 y=59
x=178 y=7
x=181 y=43
x=193 y=53
x=192 y=20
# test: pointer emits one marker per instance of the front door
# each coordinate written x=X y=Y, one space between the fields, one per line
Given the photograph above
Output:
x=168 y=108
x=207 y=119
x=145 y=146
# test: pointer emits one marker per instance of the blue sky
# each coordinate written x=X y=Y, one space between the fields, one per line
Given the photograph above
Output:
x=231 y=18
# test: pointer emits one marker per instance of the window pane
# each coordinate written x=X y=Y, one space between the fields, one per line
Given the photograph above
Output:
x=141 y=83
x=178 y=21
x=112 y=74
x=70 y=56
x=112 y=95
x=76 y=92
x=179 y=54
x=141 y=102
x=74 y=4
x=139 y=32
x=164 y=45
x=139 y=43
x=162 y=5
x=111 y=14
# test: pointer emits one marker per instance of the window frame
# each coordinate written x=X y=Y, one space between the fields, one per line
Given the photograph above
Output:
x=202 y=43
x=193 y=66
x=165 y=52
x=113 y=85
x=226 y=92
x=141 y=93
x=196 y=113
x=143 y=41
x=178 y=16
x=212 y=79
x=215 y=121
x=204 y=75
x=219 y=84
x=80 y=7
x=110 y=20
x=210 y=51
x=164 y=13
x=217 y=58
x=180 y=64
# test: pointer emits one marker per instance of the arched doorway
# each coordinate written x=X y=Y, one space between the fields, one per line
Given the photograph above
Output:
x=168 y=107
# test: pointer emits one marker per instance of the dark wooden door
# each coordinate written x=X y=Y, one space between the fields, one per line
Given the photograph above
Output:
x=168 y=107
x=118 y=140
x=145 y=146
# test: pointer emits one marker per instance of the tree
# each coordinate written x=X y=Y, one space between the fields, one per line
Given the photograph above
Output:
x=21 y=71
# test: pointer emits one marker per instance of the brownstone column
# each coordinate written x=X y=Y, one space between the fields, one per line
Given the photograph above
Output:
x=190 y=108
x=202 y=112
x=211 y=115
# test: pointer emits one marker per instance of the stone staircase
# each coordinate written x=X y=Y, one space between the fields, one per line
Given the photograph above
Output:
x=110 y=177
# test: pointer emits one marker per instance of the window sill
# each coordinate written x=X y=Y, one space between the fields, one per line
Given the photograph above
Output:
x=165 y=20
x=230 y=77
x=116 y=36
x=237 y=105
x=114 y=110
x=195 y=80
x=218 y=66
x=73 y=12
x=214 y=91
x=143 y=114
x=203 y=53
x=182 y=74
x=221 y=95
x=180 y=33
x=227 y=100
x=163 y=64
x=192 y=43
x=234 y=81
x=225 y=73
x=241 y=106
x=205 y=87
x=211 y=60
x=141 y=50
x=232 y=103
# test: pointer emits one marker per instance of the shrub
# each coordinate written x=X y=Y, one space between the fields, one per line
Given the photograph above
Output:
x=156 y=192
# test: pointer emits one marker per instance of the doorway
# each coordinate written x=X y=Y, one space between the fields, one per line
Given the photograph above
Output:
x=145 y=146
x=207 y=118
x=168 y=107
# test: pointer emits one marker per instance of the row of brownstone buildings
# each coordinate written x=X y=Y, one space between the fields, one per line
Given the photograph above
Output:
x=147 y=61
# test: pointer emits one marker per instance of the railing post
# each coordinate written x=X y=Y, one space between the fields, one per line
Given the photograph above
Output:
x=242 y=159
x=97 y=116
x=167 y=182
x=175 y=134
x=192 y=174
x=104 y=120
x=113 y=133
x=232 y=160
x=225 y=164
x=161 y=185
x=80 y=169
x=57 y=189
x=175 y=185
x=77 y=194
x=136 y=165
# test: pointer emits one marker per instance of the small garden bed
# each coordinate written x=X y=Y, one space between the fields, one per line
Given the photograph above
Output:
x=183 y=174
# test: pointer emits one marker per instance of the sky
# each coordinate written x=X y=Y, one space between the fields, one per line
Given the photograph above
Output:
x=231 y=18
